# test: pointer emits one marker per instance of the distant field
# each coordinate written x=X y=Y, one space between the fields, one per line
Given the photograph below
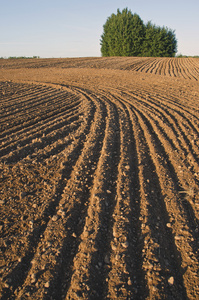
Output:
x=187 y=68
x=99 y=178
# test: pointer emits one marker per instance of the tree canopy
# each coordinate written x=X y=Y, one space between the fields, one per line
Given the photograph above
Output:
x=125 y=34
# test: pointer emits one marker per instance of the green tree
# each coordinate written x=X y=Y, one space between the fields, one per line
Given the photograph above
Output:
x=126 y=35
x=123 y=35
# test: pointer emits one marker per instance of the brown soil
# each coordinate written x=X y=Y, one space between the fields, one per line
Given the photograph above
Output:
x=99 y=178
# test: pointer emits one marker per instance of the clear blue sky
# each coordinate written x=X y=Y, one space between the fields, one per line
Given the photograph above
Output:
x=72 y=28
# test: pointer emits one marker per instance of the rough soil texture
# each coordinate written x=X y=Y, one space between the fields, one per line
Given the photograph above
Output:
x=99 y=178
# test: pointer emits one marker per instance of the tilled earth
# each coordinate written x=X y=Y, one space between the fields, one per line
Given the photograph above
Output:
x=99 y=178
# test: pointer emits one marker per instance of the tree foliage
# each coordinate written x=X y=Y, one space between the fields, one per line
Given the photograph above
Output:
x=125 y=34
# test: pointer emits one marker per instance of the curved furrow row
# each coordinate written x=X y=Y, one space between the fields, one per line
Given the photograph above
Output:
x=10 y=91
x=191 y=69
x=145 y=65
x=41 y=126
x=33 y=142
x=181 y=71
x=178 y=163
x=154 y=198
x=28 y=100
x=15 y=119
x=154 y=66
x=131 y=65
x=41 y=113
x=10 y=137
x=172 y=68
x=126 y=278
x=186 y=152
x=190 y=188
x=177 y=146
x=50 y=271
x=188 y=116
x=72 y=140
x=183 y=221
x=91 y=263
x=176 y=98
x=176 y=125
x=52 y=175
x=160 y=257
x=159 y=69
x=178 y=67
x=194 y=65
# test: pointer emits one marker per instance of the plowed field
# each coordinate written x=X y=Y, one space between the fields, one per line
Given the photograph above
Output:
x=99 y=178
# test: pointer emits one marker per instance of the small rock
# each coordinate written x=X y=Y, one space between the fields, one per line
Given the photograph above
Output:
x=108 y=192
x=113 y=247
x=2 y=202
x=154 y=289
x=114 y=232
x=150 y=266
x=33 y=278
x=117 y=257
x=47 y=284
x=129 y=282
x=169 y=225
x=125 y=244
x=171 y=280
x=54 y=218
x=127 y=167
